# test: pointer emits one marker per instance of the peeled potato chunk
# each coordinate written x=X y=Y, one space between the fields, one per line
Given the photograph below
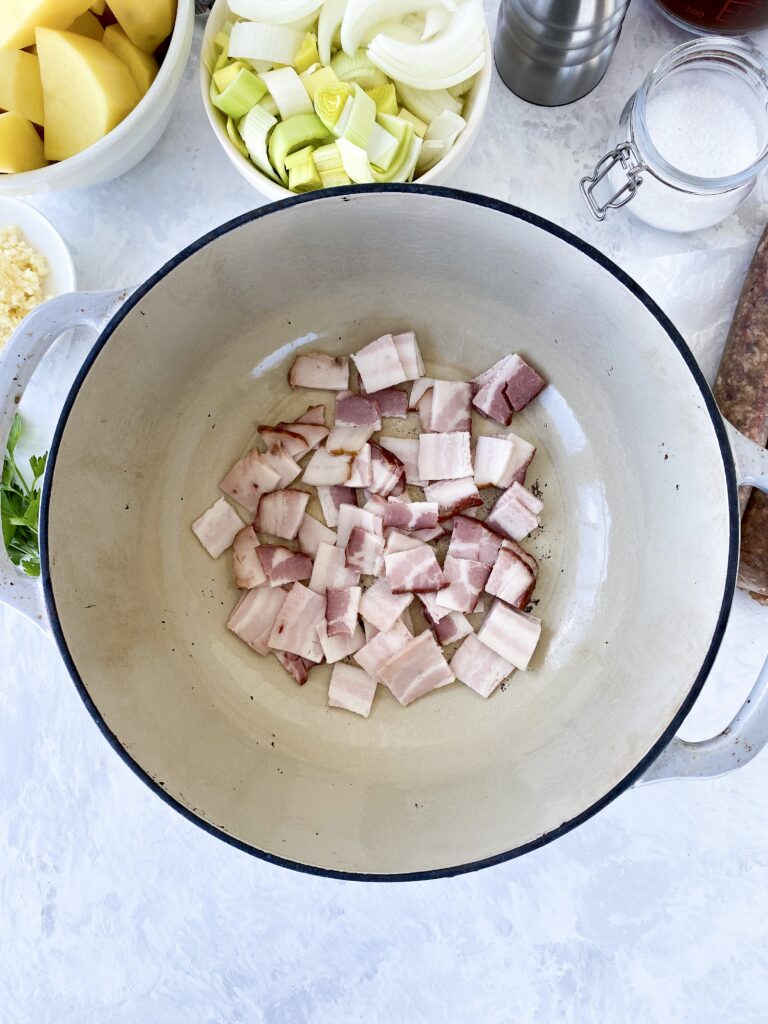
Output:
x=87 y=91
x=147 y=23
x=99 y=7
x=87 y=25
x=21 y=148
x=20 y=87
x=20 y=18
x=142 y=66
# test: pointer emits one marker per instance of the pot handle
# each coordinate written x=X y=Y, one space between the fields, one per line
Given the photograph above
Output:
x=18 y=361
x=747 y=733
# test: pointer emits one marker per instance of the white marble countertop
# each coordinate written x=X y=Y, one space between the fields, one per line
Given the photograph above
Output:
x=114 y=908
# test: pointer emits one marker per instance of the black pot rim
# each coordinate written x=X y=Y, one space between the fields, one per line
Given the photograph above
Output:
x=675 y=337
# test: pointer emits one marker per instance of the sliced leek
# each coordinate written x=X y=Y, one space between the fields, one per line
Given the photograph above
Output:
x=307 y=55
x=330 y=166
x=303 y=175
x=254 y=129
x=269 y=106
x=287 y=90
x=357 y=118
x=331 y=14
x=385 y=98
x=234 y=138
x=409 y=147
x=227 y=74
x=313 y=81
x=274 y=43
x=330 y=101
x=274 y=12
x=362 y=16
x=382 y=147
x=242 y=93
x=356 y=162
x=427 y=104
x=419 y=126
x=295 y=133
x=357 y=69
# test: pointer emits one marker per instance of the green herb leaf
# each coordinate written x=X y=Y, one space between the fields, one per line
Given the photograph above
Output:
x=15 y=434
x=37 y=465
x=31 y=566
x=20 y=506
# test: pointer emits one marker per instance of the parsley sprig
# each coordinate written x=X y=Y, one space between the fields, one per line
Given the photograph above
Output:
x=20 y=506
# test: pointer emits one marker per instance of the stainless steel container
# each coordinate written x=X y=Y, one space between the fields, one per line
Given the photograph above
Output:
x=553 y=52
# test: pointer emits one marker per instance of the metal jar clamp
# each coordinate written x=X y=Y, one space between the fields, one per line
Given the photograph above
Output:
x=627 y=156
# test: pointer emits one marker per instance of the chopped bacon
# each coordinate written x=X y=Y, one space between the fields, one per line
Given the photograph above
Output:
x=399 y=489
x=392 y=403
x=351 y=516
x=413 y=515
x=330 y=570
x=418 y=390
x=312 y=433
x=337 y=647
x=523 y=555
x=516 y=513
x=246 y=566
x=217 y=528
x=365 y=551
x=467 y=579
x=321 y=371
x=325 y=470
x=280 y=512
x=331 y=499
x=381 y=647
x=453 y=496
x=370 y=630
x=281 y=565
x=296 y=666
x=451 y=406
x=295 y=444
x=351 y=689
x=406 y=449
x=507 y=387
x=415 y=670
x=295 y=628
x=254 y=616
x=314 y=414
x=479 y=608
x=397 y=541
x=249 y=478
x=409 y=355
x=445 y=456
x=471 y=539
x=425 y=411
x=312 y=533
x=361 y=473
x=511 y=579
x=376 y=504
x=449 y=627
x=436 y=533
x=416 y=571
x=348 y=440
x=407 y=619
x=386 y=470
x=523 y=383
x=379 y=365
x=341 y=610
x=500 y=459
x=479 y=667
x=357 y=411
x=278 y=458
x=512 y=634
x=431 y=609
x=381 y=607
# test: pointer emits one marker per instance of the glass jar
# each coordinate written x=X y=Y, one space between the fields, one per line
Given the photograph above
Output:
x=722 y=17
x=692 y=141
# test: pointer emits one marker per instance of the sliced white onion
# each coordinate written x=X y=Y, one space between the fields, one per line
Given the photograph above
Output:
x=331 y=14
x=435 y=20
x=274 y=12
x=427 y=104
x=450 y=58
x=254 y=129
x=439 y=138
x=362 y=16
x=288 y=92
x=256 y=41
x=355 y=161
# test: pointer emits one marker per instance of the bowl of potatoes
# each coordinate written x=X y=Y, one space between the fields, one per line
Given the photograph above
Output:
x=86 y=87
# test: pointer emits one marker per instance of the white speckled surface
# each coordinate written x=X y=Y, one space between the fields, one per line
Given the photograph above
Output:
x=114 y=908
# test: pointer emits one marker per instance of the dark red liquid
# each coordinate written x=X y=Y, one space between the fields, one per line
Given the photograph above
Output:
x=729 y=17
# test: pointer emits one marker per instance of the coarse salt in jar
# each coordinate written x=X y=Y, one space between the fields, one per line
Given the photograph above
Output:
x=693 y=140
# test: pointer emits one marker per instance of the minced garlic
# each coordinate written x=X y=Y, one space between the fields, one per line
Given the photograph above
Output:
x=22 y=270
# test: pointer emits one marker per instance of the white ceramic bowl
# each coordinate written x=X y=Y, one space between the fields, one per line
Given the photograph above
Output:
x=477 y=100
x=42 y=236
x=133 y=138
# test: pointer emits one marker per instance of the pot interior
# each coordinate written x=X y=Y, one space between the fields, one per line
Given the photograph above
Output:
x=634 y=548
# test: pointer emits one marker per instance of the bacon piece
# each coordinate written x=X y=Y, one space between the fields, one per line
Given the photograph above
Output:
x=318 y=370
x=312 y=433
x=365 y=551
x=351 y=516
x=331 y=499
x=512 y=634
x=451 y=406
x=312 y=533
x=249 y=478
x=295 y=628
x=325 y=470
x=479 y=608
x=409 y=354
x=418 y=390
x=379 y=365
x=414 y=515
x=351 y=689
x=406 y=449
x=449 y=627
x=436 y=533
x=432 y=611
x=413 y=572
x=415 y=670
x=280 y=512
x=425 y=411
x=314 y=414
x=330 y=570
x=254 y=616
x=467 y=580
x=348 y=440
x=370 y=630
x=381 y=607
x=511 y=579
x=386 y=471
x=341 y=608
x=407 y=619
x=471 y=539
x=500 y=459
x=507 y=387
x=246 y=566
x=392 y=403
x=278 y=458
x=445 y=456
x=516 y=513
x=523 y=555
x=357 y=411
x=376 y=504
x=397 y=541
x=479 y=667
x=381 y=647
x=523 y=383
x=453 y=496
x=282 y=566
x=293 y=443
x=362 y=472
x=217 y=528
x=337 y=647
x=296 y=666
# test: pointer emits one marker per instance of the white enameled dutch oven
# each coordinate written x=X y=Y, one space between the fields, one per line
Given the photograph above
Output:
x=638 y=550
